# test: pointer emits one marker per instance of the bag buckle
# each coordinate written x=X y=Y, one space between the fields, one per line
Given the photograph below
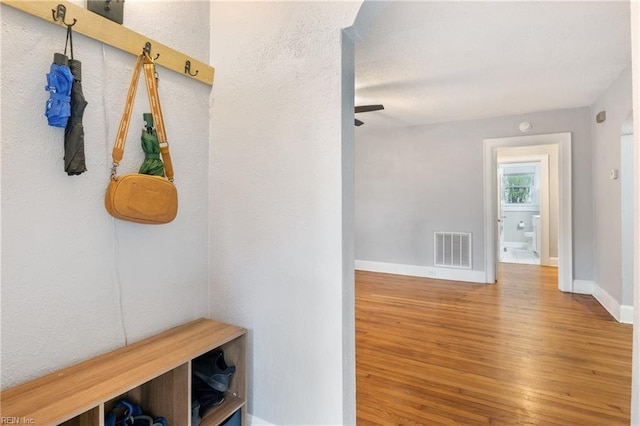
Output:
x=114 y=166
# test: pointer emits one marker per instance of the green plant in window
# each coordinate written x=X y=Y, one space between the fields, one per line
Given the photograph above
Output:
x=517 y=189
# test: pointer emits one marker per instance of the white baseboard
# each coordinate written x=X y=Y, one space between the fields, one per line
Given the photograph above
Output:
x=436 y=272
x=607 y=301
x=583 y=287
x=257 y=421
x=553 y=261
x=626 y=314
x=622 y=313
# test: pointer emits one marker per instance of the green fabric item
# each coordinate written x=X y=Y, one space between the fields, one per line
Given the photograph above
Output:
x=152 y=164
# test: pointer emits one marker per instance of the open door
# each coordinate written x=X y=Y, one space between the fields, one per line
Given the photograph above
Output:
x=501 y=217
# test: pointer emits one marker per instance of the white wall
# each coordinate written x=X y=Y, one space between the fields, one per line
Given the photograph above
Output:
x=635 y=61
x=617 y=102
x=411 y=182
x=511 y=220
x=626 y=221
x=348 y=227
x=75 y=281
x=279 y=243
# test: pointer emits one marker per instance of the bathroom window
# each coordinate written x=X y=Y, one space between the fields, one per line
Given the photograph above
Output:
x=517 y=188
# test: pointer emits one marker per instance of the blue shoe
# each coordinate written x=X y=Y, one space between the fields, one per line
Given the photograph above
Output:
x=126 y=413
x=195 y=413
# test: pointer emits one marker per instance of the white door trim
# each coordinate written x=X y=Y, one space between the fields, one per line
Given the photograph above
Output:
x=565 y=248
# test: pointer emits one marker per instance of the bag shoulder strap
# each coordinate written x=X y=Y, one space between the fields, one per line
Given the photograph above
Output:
x=156 y=110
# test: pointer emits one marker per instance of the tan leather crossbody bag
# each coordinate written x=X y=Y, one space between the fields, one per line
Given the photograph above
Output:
x=138 y=197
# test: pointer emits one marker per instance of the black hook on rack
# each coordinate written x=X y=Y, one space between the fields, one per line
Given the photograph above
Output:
x=147 y=50
x=60 y=13
x=187 y=69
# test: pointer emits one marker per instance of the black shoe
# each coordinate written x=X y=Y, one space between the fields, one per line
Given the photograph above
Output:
x=205 y=396
x=213 y=370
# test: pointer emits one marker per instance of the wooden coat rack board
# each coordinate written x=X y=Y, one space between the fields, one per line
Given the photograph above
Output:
x=99 y=28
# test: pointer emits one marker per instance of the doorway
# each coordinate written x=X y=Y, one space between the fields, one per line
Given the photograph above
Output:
x=557 y=147
x=522 y=205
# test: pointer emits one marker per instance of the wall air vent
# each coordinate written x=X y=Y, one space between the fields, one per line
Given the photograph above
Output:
x=452 y=249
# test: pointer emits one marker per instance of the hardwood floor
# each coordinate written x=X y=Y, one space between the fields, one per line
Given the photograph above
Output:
x=519 y=352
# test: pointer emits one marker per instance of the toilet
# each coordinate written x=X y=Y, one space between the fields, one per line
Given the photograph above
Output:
x=528 y=235
x=533 y=237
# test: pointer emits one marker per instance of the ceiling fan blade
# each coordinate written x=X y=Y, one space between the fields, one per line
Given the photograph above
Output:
x=367 y=108
x=358 y=122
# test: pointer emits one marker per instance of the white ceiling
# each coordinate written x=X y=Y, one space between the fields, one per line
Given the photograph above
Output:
x=433 y=62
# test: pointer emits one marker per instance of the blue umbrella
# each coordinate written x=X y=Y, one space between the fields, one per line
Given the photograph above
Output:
x=60 y=80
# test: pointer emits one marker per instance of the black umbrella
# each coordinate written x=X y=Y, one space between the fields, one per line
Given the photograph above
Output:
x=74 y=159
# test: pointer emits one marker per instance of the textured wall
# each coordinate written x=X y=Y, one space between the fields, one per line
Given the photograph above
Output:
x=277 y=203
x=617 y=102
x=411 y=182
x=75 y=281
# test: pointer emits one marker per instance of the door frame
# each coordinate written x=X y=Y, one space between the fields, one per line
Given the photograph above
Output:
x=565 y=239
